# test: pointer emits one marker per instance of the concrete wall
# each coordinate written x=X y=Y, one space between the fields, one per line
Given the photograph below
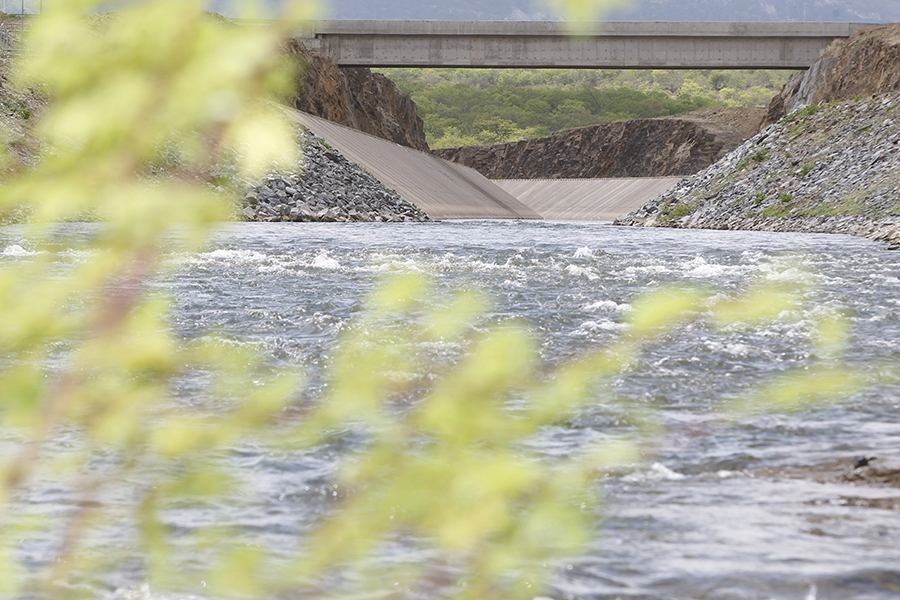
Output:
x=554 y=44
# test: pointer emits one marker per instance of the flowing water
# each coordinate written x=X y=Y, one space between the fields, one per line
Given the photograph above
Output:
x=757 y=510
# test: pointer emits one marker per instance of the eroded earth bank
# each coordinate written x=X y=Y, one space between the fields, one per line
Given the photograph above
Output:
x=662 y=147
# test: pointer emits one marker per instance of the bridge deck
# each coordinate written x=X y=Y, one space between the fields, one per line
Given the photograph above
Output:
x=555 y=44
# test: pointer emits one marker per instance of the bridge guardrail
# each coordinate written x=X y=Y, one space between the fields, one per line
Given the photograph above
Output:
x=11 y=30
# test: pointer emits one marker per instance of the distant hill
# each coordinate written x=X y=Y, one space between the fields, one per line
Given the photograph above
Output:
x=873 y=11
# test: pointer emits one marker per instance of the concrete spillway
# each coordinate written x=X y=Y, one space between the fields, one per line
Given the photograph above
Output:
x=586 y=199
x=447 y=190
x=442 y=189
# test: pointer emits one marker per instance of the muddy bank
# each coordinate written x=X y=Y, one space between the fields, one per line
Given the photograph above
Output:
x=871 y=481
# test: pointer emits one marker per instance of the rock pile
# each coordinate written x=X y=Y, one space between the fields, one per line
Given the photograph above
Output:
x=329 y=188
x=827 y=168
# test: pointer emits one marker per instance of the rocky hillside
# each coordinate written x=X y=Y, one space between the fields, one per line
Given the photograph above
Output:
x=642 y=148
x=831 y=167
x=329 y=188
x=19 y=110
x=357 y=98
x=354 y=97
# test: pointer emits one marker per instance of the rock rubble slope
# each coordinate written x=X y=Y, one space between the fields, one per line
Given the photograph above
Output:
x=831 y=165
x=830 y=168
x=328 y=188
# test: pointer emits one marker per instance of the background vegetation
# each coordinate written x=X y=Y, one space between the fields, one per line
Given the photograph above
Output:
x=488 y=106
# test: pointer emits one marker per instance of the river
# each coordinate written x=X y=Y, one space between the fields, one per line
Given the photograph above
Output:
x=756 y=510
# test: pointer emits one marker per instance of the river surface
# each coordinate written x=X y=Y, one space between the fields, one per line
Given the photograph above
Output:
x=754 y=510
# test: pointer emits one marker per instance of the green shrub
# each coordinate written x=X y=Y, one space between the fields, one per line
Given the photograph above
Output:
x=760 y=155
x=682 y=209
x=776 y=211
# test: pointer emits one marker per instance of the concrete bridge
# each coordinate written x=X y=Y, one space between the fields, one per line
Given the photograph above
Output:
x=555 y=44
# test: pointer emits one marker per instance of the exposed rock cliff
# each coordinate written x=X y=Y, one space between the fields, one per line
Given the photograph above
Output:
x=866 y=63
x=358 y=98
x=642 y=148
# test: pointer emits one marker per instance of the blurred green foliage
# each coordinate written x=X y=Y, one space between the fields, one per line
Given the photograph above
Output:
x=488 y=106
x=90 y=366
x=86 y=347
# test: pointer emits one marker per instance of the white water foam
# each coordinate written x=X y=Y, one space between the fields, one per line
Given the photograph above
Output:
x=732 y=349
x=657 y=472
x=607 y=305
x=323 y=261
x=581 y=272
x=15 y=250
x=143 y=592
x=634 y=272
x=699 y=268
x=592 y=326
x=232 y=257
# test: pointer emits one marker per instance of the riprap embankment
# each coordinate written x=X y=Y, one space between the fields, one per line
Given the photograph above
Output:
x=832 y=166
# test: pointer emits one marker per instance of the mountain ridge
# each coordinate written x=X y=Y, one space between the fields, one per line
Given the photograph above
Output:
x=868 y=11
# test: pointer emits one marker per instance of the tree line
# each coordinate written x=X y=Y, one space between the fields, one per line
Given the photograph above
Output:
x=488 y=106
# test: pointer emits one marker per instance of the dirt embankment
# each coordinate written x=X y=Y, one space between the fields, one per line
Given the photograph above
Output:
x=831 y=167
x=668 y=146
x=357 y=98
